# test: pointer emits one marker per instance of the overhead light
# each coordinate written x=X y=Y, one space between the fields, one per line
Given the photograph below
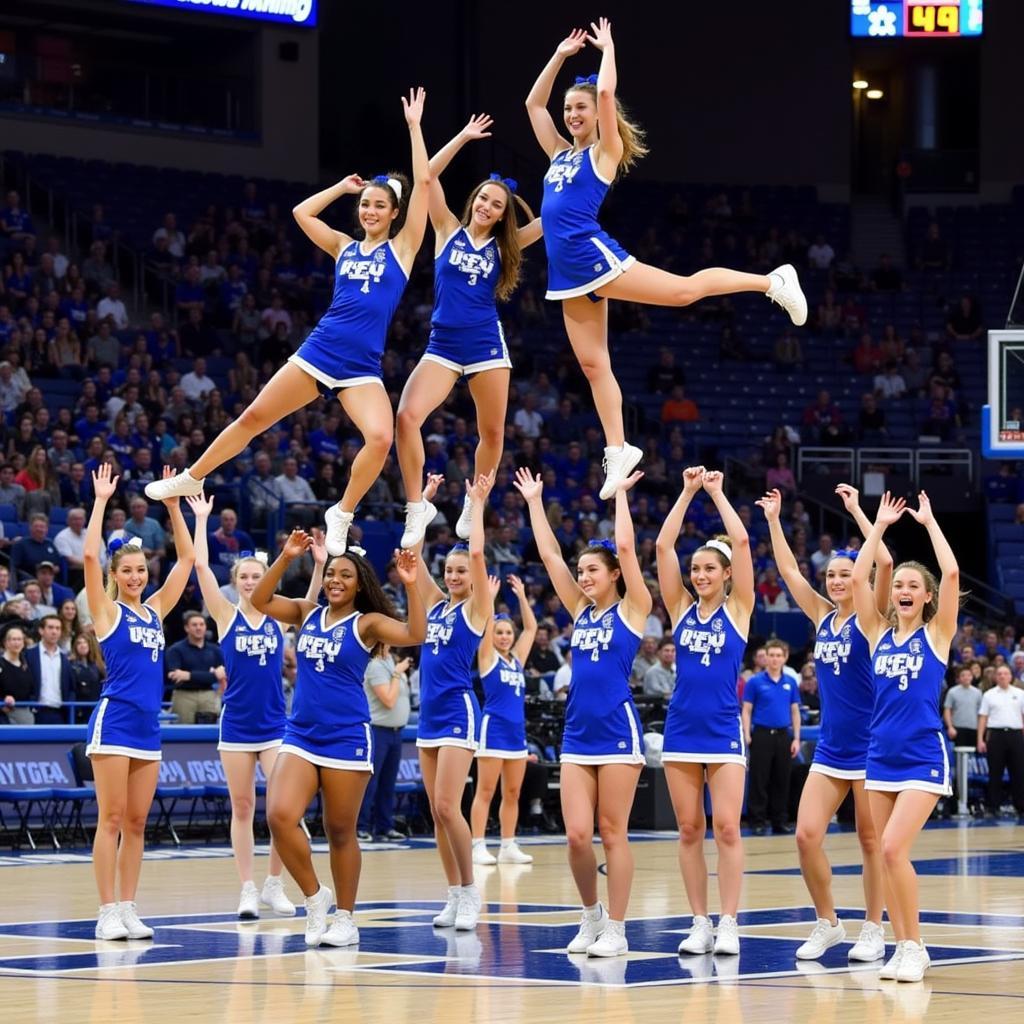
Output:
x=860 y=83
x=874 y=94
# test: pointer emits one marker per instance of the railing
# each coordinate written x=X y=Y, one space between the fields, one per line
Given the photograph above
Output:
x=915 y=462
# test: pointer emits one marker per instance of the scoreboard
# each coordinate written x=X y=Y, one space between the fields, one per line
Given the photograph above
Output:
x=916 y=19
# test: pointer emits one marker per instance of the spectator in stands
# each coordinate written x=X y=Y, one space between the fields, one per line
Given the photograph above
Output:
x=889 y=383
x=771 y=593
x=660 y=679
x=941 y=418
x=646 y=657
x=53 y=593
x=820 y=255
x=11 y=391
x=274 y=315
x=871 y=428
x=171 y=234
x=665 y=375
x=867 y=356
x=189 y=293
x=75 y=488
x=112 y=307
x=262 y=490
x=678 y=408
x=965 y=320
x=52 y=682
x=992 y=647
x=934 y=254
x=820 y=558
x=17 y=687
x=809 y=696
x=886 y=277
x=788 y=353
x=960 y=709
x=731 y=345
x=823 y=422
x=781 y=476
x=1001 y=738
x=149 y=531
x=28 y=552
x=196 y=384
x=104 y=347
x=528 y=420
x=301 y=508
x=42 y=489
x=70 y=543
x=544 y=657
x=87 y=672
x=227 y=542
x=15 y=223
x=195 y=669
x=44 y=280
x=6 y=594
x=502 y=549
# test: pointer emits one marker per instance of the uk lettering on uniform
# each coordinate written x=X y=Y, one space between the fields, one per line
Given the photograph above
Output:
x=365 y=270
x=321 y=649
x=562 y=172
x=439 y=632
x=900 y=666
x=512 y=676
x=594 y=639
x=256 y=645
x=149 y=637
x=834 y=651
x=704 y=640
x=474 y=264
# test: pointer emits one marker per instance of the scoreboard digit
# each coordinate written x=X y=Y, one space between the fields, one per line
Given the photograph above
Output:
x=916 y=19
x=924 y=18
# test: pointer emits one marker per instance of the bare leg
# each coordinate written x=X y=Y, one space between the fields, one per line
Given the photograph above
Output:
x=819 y=801
x=111 y=774
x=579 y=804
x=512 y=774
x=874 y=868
x=686 y=787
x=294 y=784
x=369 y=408
x=343 y=796
x=586 y=323
x=267 y=759
x=427 y=387
x=428 y=768
x=616 y=787
x=488 y=769
x=142 y=779
x=449 y=767
x=240 y=772
x=654 y=287
x=289 y=389
x=726 y=784
x=489 y=389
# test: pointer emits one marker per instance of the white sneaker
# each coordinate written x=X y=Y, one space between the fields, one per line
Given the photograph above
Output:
x=463 y=525
x=130 y=919
x=617 y=466
x=273 y=896
x=109 y=924
x=338 y=522
x=786 y=291
x=447 y=916
x=870 y=944
x=468 y=911
x=611 y=942
x=181 y=485
x=249 y=903
x=511 y=854
x=343 y=931
x=418 y=516
x=891 y=966
x=727 y=941
x=592 y=924
x=481 y=855
x=317 y=909
x=914 y=963
x=701 y=938
x=825 y=936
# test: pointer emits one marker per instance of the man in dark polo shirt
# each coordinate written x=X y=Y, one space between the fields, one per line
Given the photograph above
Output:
x=771 y=709
x=196 y=671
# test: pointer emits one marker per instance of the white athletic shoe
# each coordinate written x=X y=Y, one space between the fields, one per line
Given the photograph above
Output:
x=870 y=944
x=462 y=526
x=468 y=911
x=511 y=854
x=891 y=966
x=249 y=903
x=130 y=919
x=343 y=931
x=824 y=936
x=914 y=963
x=317 y=908
x=418 y=516
x=181 y=485
x=109 y=924
x=447 y=916
x=592 y=924
x=611 y=942
x=617 y=465
x=701 y=938
x=786 y=291
x=338 y=522
x=481 y=855
x=727 y=941
x=273 y=896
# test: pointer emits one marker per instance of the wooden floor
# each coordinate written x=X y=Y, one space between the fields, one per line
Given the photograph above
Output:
x=204 y=965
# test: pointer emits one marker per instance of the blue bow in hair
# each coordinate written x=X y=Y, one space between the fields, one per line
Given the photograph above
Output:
x=459 y=547
x=608 y=545
x=510 y=183
x=502 y=617
x=586 y=80
x=380 y=179
x=118 y=542
x=850 y=553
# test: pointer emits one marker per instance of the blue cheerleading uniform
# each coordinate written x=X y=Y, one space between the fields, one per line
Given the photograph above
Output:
x=601 y=721
x=703 y=724
x=346 y=346
x=127 y=719
x=449 y=711
x=846 y=688
x=330 y=721
x=503 y=729
x=253 y=715
x=581 y=256
x=907 y=747
x=465 y=332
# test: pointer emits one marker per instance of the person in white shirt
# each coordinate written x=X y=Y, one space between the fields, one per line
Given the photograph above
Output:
x=821 y=557
x=60 y=261
x=560 y=684
x=11 y=391
x=890 y=384
x=52 y=675
x=820 y=255
x=70 y=542
x=300 y=502
x=195 y=383
x=527 y=420
x=113 y=307
x=175 y=239
x=1002 y=714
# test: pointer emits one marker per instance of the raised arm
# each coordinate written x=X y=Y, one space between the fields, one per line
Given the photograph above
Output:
x=408 y=241
x=883 y=557
x=289 y=611
x=638 y=600
x=101 y=607
x=566 y=587
x=524 y=642
x=943 y=625
x=217 y=604
x=174 y=586
x=811 y=603
x=384 y=629
x=485 y=652
x=318 y=549
x=609 y=147
x=430 y=592
x=320 y=234
x=741 y=597
x=871 y=620
x=443 y=221
x=481 y=604
x=549 y=137
x=670 y=577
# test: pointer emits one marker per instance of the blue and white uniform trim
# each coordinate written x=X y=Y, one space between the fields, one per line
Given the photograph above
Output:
x=118 y=728
x=503 y=728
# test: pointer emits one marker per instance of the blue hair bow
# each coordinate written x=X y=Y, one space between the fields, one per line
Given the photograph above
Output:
x=608 y=545
x=510 y=183
x=119 y=542
x=460 y=546
x=380 y=179
x=850 y=553
x=502 y=617
x=586 y=80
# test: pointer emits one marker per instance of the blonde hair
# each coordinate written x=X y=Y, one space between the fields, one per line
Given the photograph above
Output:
x=632 y=135
x=506 y=236
x=115 y=561
x=931 y=584
x=233 y=575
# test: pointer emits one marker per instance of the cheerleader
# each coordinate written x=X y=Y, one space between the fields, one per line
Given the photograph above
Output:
x=449 y=712
x=846 y=687
x=252 y=720
x=502 y=750
x=602 y=747
x=586 y=265
x=703 y=728
x=327 y=741
x=343 y=353
x=123 y=736
x=908 y=761
x=476 y=263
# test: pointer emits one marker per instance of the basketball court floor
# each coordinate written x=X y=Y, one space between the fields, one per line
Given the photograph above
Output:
x=205 y=965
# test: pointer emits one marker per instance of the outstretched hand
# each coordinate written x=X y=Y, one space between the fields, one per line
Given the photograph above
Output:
x=318 y=547
x=102 y=484
x=527 y=485
x=479 y=489
x=478 y=127
x=890 y=509
x=201 y=505
x=713 y=480
x=518 y=587
x=771 y=505
x=352 y=184
x=406 y=565
x=923 y=513
x=412 y=106
x=693 y=479
x=297 y=544
x=630 y=481
x=572 y=43
x=601 y=34
x=434 y=481
x=850 y=496
x=493 y=586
